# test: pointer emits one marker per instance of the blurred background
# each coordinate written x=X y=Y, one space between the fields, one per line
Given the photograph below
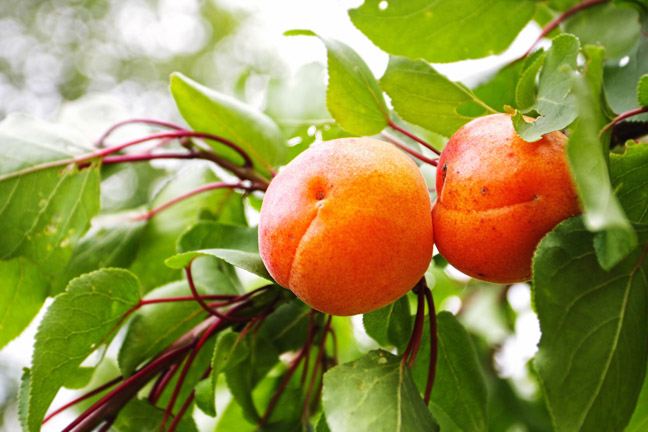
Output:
x=91 y=63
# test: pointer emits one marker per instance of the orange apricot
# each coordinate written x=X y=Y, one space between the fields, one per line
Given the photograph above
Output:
x=497 y=196
x=346 y=226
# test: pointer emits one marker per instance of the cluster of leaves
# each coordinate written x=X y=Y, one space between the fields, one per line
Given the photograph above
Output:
x=590 y=289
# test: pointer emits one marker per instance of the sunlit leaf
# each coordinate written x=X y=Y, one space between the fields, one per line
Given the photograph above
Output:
x=353 y=96
x=75 y=324
x=23 y=291
x=424 y=97
x=442 y=30
x=43 y=212
x=209 y=111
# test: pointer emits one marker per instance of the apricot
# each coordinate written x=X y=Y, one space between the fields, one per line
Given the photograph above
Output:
x=346 y=226
x=497 y=196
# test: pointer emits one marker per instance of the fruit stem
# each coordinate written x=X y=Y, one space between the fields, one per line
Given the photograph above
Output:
x=400 y=144
x=205 y=188
x=412 y=136
x=559 y=19
x=409 y=356
x=433 y=344
x=623 y=116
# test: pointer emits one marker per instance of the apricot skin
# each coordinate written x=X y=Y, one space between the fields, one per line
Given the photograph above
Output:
x=497 y=196
x=346 y=226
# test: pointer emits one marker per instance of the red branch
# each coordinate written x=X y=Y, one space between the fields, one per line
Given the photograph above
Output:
x=116 y=126
x=205 y=188
x=204 y=305
x=560 y=18
x=623 y=116
x=412 y=136
x=411 y=351
x=400 y=144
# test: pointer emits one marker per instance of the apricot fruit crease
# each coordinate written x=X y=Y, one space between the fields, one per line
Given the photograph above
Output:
x=347 y=226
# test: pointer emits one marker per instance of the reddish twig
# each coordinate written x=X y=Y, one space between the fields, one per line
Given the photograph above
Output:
x=560 y=18
x=433 y=344
x=282 y=386
x=83 y=397
x=400 y=144
x=205 y=188
x=186 y=367
x=185 y=405
x=116 y=126
x=125 y=391
x=623 y=116
x=204 y=305
x=413 y=137
x=148 y=157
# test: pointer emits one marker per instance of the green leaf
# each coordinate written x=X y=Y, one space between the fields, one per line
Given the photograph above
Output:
x=554 y=103
x=525 y=90
x=112 y=245
x=390 y=325
x=230 y=350
x=442 y=30
x=249 y=261
x=615 y=28
x=243 y=376
x=80 y=319
x=642 y=91
x=499 y=91
x=459 y=397
x=205 y=398
x=155 y=326
x=629 y=174
x=639 y=420
x=140 y=416
x=23 y=398
x=209 y=111
x=238 y=246
x=592 y=355
x=322 y=426
x=587 y=156
x=621 y=81
x=23 y=291
x=287 y=327
x=298 y=105
x=162 y=231
x=353 y=96
x=43 y=212
x=375 y=393
x=424 y=97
